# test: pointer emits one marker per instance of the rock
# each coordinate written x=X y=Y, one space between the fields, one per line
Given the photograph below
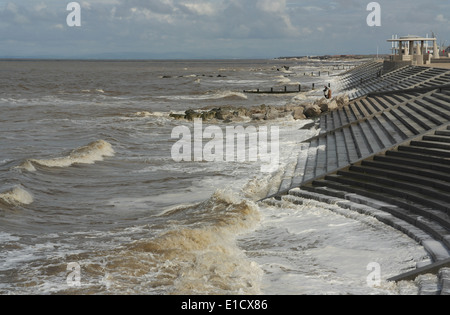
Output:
x=327 y=105
x=323 y=107
x=208 y=115
x=224 y=114
x=191 y=114
x=271 y=113
x=240 y=112
x=177 y=116
x=321 y=101
x=342 y=100
x=332 y=105
x=259 y=109
x=298 y=108
x=298 y=113
x=214 y=110
x=258 y=116
x=261 y=112
x=290 y=107
x=312 y=111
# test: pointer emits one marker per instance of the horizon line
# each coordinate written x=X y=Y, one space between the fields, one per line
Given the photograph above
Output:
x=11 y=58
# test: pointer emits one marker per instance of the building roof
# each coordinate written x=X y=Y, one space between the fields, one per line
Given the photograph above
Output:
x=412 y=38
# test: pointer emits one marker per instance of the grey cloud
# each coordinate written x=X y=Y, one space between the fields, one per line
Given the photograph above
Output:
x=242 y=27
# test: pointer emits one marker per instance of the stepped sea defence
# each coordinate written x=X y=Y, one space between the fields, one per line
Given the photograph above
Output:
x=387 y=145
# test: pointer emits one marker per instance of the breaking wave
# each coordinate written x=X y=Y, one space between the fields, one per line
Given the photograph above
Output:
x=198 y=256
x=16 y=197
x=89 y=154
x=232 y=95
x=146 y=114
x=282 y=80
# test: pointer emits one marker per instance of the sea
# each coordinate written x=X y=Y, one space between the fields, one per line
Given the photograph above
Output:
x=93 y=202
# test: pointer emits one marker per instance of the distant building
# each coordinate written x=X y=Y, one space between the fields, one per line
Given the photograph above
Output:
x=413 y=50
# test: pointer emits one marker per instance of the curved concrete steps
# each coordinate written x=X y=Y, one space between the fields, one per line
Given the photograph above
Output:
x=439 y=284
x=416 y=183
x=366 y=127
x=363 y=81
x=387 y=155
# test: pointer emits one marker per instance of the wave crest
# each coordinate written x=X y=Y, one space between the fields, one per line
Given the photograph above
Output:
x=202 y=257
x=231 y=95
x=16 y=197
x=89 y=154
x=210 y=96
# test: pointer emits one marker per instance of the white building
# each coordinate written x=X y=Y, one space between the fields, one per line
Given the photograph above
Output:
x=414 y=49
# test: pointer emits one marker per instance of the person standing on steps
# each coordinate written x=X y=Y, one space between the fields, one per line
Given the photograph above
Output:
x=327 y=92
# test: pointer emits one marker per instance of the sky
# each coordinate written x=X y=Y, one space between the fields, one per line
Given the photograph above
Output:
x=196 y=29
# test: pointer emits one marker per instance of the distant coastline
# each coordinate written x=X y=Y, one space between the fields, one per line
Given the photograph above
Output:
x=331 y=57
x=106 y=58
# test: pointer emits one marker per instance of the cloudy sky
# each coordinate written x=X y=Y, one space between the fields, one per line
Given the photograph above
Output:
x=212 y=28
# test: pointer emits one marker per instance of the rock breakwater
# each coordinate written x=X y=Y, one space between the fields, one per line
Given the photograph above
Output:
x=297 y=109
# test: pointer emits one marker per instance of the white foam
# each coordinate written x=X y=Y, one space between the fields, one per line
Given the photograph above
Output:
x=197 y=254
x=146 y=114
x=6 y=237
x=243 y=82
x=209 y=96
x=308 y=249
x=4 y=161
x=282 y=80
x=143 y=114
x=228 y=94
x=202 y=257
x=284 y=70
x=89 y=154
x=16 y=197
x=27 y=165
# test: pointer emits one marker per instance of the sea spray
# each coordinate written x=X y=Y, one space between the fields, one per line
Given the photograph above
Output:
x=282 y=80
x=196 y=254
x=206 y=257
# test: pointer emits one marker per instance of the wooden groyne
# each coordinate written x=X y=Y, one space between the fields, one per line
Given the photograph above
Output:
x=285 y=90
x=272 y=90
x=386 y=154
